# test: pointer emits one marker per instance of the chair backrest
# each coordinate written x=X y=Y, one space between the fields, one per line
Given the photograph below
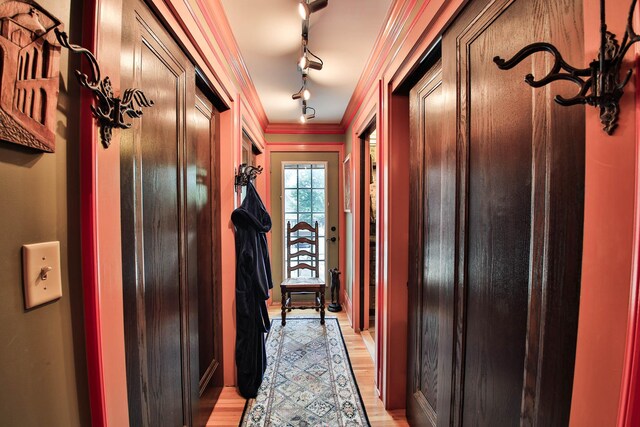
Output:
x=294 y=252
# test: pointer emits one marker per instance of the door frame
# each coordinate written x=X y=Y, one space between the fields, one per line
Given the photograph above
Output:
x=362 y=206
x=362 y=123
x=330 y=147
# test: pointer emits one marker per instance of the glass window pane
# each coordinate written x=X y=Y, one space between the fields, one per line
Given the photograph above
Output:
x=318 y=177
x=304 y=200
x=290 y=201
x=318 y=200
x=290 y=178
x=293 y=218
x=321 y=248
x=320 y=219
x=305 y=218
x=304 y=178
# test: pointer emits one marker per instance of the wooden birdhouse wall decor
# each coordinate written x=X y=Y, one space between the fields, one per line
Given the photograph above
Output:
x=29 y=69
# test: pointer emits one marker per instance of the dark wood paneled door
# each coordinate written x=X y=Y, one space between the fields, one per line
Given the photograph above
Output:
x=207 y=214
x=432 y=214
x=159 y=227
x=498 y=229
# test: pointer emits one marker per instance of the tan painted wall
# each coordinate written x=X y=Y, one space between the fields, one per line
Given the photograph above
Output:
x=303 y=138
x=42 y=362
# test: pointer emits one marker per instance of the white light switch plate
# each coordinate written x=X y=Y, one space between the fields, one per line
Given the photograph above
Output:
x=41 y=271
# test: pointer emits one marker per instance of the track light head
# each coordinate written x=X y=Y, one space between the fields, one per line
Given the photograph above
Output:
x=305 y=9
x=308 y=113
x=305 y=63
x=302 y=93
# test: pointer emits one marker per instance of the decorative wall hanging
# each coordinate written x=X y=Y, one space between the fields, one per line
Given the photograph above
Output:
x=346 y=176
x=109 y=110
x=29 y=69
x=599 y=84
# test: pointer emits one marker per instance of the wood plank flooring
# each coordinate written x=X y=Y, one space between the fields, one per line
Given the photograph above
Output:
x=229 y=405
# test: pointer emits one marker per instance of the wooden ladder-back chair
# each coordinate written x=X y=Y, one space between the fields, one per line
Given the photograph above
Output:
x=302 y=285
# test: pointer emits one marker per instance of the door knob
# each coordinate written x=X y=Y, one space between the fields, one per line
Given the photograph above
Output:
x=333 y=239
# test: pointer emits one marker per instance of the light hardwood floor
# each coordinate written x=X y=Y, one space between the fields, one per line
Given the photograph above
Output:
x=228 y=408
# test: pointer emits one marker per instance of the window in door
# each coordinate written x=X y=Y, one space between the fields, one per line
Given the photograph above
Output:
x=305 y=200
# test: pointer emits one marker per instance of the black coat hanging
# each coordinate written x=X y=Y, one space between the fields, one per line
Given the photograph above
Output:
x=253 y=282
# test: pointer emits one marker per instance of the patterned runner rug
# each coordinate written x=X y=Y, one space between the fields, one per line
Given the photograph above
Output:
x=308 y=381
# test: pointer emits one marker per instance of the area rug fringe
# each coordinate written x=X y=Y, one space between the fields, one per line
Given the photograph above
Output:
x=309 y=380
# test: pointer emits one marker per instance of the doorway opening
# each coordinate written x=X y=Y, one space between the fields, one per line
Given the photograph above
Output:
x=304 y=187
x=368 y=242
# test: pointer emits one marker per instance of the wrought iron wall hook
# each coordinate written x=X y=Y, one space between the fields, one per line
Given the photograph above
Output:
x=599 y=84
x=108 y=110
x=245 y=174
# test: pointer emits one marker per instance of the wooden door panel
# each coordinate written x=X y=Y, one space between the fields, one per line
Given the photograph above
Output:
x=431 y=278
x=208 y=328
x=159 y=310
x=159 y=224
x=498 y=226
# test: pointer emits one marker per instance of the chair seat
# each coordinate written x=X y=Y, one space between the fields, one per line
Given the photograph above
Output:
x=309 y=283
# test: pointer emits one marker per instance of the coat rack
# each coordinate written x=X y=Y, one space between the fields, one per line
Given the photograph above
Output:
x=599 y=84
x=109 y=110
x=246 y=173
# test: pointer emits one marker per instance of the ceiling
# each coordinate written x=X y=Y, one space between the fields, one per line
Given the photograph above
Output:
x=268 y=33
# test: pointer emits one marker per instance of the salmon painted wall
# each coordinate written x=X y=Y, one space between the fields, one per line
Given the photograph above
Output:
x=608 y=241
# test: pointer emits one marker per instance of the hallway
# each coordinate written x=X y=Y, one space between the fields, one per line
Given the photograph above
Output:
x=229 y=406
x=486 y=236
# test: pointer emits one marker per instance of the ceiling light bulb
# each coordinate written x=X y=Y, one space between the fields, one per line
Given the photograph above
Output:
x=303 y=119
x=302 y=9
x=305 y=9
x=304 y=62
x=306 y=94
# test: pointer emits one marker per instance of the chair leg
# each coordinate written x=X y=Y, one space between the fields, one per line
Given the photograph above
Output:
x=322 y=308
x=290 y=301
x=283 y=311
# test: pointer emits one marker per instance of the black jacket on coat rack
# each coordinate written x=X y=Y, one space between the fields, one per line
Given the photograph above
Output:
x=253 y=281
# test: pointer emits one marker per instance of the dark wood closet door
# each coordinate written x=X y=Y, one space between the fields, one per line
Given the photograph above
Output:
x=517 y=204
x=209 y=329
x=432 y=216
x=159 y=248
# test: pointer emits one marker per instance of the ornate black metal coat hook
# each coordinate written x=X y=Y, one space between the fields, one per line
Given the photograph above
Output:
x=245 y=174
x=599 y=84
x=109 y=110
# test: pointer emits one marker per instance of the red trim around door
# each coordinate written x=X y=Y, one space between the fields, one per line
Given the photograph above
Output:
x=88 y=227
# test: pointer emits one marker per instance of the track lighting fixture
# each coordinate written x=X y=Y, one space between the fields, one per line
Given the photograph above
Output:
x=307 y=60
x=305 y=9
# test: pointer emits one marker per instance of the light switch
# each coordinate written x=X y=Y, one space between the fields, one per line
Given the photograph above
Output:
x=41 y=271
